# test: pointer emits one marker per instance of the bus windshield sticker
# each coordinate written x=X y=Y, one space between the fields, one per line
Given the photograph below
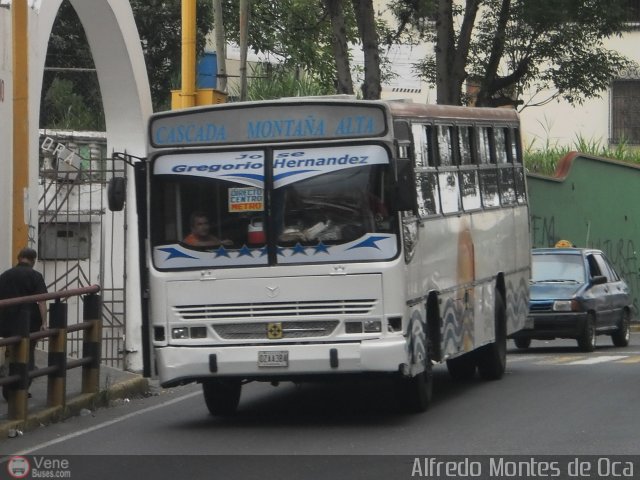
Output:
x=245 y=167
x=247 y=199
x=296 y=164
x=177 y=256
x=368 y=247
x=377 y=246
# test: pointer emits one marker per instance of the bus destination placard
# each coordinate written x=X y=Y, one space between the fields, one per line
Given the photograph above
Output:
x=225 y=125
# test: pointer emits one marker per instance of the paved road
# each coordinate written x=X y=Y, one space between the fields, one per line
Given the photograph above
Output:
x=553 y=400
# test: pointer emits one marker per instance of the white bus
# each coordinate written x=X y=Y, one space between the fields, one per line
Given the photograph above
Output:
x=352 y=238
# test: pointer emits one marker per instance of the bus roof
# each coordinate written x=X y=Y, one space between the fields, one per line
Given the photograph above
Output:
x=451 y=112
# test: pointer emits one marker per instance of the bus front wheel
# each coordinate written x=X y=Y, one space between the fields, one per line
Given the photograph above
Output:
x=222 y=395
x=415 y=392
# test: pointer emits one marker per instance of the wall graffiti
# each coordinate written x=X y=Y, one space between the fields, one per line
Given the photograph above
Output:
x=624 y=256
x=622 y=252
x=543 y=231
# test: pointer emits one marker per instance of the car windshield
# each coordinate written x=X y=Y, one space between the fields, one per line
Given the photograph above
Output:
x=557 y=268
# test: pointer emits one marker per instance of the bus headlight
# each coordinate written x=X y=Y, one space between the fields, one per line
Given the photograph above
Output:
x=372 y=326
x=366 y=326
x=180 y=333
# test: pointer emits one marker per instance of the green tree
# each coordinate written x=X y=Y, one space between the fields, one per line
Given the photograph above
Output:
x=70 y=91
x=508 y=47
x=66 y=109
x=315 y=36
x=296 y=33
x=275 y=81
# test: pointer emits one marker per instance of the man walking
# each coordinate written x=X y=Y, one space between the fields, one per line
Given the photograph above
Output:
x=20 y=281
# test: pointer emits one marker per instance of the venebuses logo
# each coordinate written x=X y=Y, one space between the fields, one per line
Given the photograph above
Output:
x=18 y=467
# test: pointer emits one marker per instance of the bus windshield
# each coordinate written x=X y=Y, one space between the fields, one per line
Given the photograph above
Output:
x=322 y=204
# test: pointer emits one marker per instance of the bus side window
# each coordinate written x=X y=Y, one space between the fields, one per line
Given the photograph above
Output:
x=501 y=145
x=445 y=145
x=486 y=170
x=484 y=146
x=505 y=166
x=465 y=145
x=422 y=135
x=428 y=194
x=514 y=143
x=516 y=157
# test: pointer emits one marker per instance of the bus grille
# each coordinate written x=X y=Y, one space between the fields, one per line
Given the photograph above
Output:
x=279 y=309
x=245 y=331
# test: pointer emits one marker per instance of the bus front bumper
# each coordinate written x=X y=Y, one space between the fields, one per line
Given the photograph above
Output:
x=184 y=364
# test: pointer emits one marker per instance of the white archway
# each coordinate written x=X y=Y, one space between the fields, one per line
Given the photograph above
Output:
x=117 y=54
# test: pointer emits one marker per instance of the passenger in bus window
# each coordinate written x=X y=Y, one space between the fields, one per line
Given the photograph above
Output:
x=201 y=235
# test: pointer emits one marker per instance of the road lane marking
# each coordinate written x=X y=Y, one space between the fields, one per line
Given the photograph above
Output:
x=561 y=359
x=634 y=359
x=522 y=358
x=599 y=359
x=102 y=425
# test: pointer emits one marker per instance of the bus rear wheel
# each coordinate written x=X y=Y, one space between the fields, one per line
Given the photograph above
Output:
x=492 y=358
x=222 y=395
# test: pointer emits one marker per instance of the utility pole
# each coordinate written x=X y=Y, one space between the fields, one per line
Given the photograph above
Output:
x=188 y=53
x=244 y=41
x=19 y=19
x=221 y=46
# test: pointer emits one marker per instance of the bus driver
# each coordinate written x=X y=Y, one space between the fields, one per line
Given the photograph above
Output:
x=200 y=235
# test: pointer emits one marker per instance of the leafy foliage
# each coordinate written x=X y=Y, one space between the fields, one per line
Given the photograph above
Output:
x=532 y=45
x=71 y=94
x=277 y=82
x=545 y=160
x=69 y=62
x=296 y=32
x=67 y=110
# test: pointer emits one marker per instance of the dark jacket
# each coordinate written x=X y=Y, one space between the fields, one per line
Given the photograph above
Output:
x=19 y=281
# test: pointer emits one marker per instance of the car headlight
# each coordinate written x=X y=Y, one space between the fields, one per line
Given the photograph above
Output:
x=565 y=306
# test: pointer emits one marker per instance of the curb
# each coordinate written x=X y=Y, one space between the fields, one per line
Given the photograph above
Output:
x=138 y=386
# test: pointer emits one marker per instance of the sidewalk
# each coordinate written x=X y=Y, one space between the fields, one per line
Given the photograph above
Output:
x=114 y=384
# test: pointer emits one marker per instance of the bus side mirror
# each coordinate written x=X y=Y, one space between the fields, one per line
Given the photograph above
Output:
x=405 y=191
x=116 y=193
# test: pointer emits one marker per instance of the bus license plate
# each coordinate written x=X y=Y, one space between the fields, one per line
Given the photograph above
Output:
x=278 y=358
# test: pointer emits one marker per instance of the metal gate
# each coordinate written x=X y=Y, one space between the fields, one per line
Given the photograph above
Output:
x=80 y=242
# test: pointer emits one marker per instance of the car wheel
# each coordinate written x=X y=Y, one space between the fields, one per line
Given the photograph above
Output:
x=587 y=340
x=522 y=343
x=492 y=358
x=222 y=395
x=622 y=335
x=462 y=368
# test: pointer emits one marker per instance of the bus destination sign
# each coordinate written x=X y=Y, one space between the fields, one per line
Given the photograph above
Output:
x=223 y=125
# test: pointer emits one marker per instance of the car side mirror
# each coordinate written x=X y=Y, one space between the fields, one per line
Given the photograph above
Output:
x=598 y=280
